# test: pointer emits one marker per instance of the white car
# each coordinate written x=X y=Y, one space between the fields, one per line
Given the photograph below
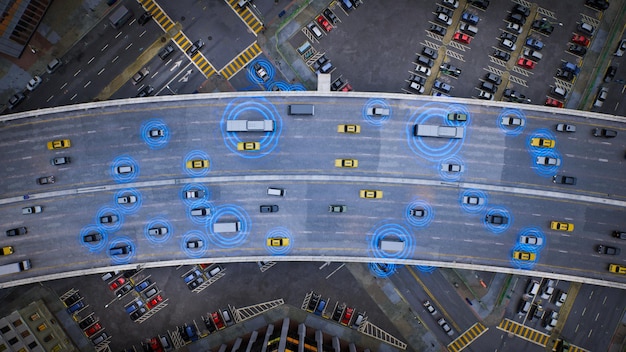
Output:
x=547 y=292
x=546 y=160
x=126 y=199
x=562 y=127
x=512 y=121
x=260 y=72
x=485 y=95
x=514 y=27
x=451 y=167
x=33 y=83
x=156 y=231
x=423 y=70
x=417 y=87
x=473 y=200
x=551 y=320
x=530 y=239
x=508 y=44
x=562 y=297
x=601 y=97
x=621 y=48
x=444 y=325
x=451 y=3
x=443 y=18
x=429 y=307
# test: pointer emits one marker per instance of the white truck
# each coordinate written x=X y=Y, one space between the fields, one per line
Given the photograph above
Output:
x=15 y=267
x=249 y=126
x=391 y=245
x=439 y=131
x=378 y=111
x=232 y=226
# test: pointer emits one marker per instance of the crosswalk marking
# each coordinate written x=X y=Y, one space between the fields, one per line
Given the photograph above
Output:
x=524 y=332
x=467 y=337
x=239 y=62
x=246 y=16
x=158 y=14
x=198 y=59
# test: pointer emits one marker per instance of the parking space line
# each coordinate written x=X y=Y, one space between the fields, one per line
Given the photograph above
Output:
x=592 y=21
x=458 y=45
x=455 y=55
x=546 y=13
x=309 y=35
x=247 y=16
x=431 y=45
x=518 y=80
x=240 y=61
x=521 y=71
x=494 y=70
x=434 y=36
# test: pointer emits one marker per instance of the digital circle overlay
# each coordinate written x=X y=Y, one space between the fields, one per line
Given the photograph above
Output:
x=524 y=264
x=429 y=148
x=197 y=237
x=163 y=230
x=109 y=211
x=121 y=162
x=382 y=270
x=532 y=232
x=155 y=133
x=201 y=220
x=229 y=213
x=419 y=221
x=506 y=115
x=466 y=196
x=93 y=230
x=278 y=232
x=121 y=242
x=376 y=120
x=202 y=189
x=498 y=228
x=122 y=198
x=389 y=231
x=251 y=109
x=196 y=155
x=451 y=176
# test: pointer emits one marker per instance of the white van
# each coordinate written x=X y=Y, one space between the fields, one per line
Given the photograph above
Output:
x=533 y=288
x=275 y=192
x=124 y=169
x=533 y=54
x=468 y=29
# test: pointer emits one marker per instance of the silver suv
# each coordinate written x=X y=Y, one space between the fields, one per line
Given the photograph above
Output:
x=139 y=76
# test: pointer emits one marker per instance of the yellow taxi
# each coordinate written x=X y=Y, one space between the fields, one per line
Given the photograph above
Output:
x=618 y=269
x=349 y=129
x=6 y=250
x=248 y=146
x=540 y=142
x=524 y=255
x=562 y=226
x=277 y=242
x=59 y=144
x=197 y=164
x=346 y=163
x=368 y=193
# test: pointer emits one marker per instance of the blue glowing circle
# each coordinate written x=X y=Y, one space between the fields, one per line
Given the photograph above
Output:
x=376 y=120
x=278 y=232
x=93 y=246
x=433 y=149
x=498 y=228
x=419 y=221
x=194 y=235
x=251 y=73
x=196 y=155
x=541 y=133
x=120 y=161
x=451 y=176
x=382 y=270
x=230 y=212
x=459 y=109
x=532 y=231
x=156 y=223
x=260 y=108
x=128 y=208
x=473 y=208
x=425 y=268
x=546 y=170
x=109 y=211
x=297 y=87
x=523 y=264
x=120 y=242
x=511 y=130
x=200 y=220
x=158 y=141
x=205 y=194
x=392 y=232
x=279 y=86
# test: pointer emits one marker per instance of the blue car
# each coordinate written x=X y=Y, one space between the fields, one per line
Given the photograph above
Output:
x=133 y=307
x=76 y=307
x=534 y=43
x=191 y=332
x=568 y=66
x=142 y=286
x=320 y=307
x=470 y=18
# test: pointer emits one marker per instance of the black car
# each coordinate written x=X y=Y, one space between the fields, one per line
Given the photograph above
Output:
x=565 y=75
x=331 y=16
x=138 y=313
x=123 y=290
x=195 y=283
x=85 y=323
x=92 y=237
x=146 y=92
x=610 y=73
x=619 y=234
x=209 y=324
x=166 y=51
x=418 y=79
x=337 y=84
x=437 y=29
x=603 y=132
x=488 y=86
x=509 y=36
x=517 y=18
x=446 y=11
x=493 y=78
x=193 y=49
x=598 y=4
x=313 y=301
x=75 y=297
x=522 y=10
x=577 y=49
x=562 y=179
x=607 y=250
x=269 y=208
x=450 y=70
x=338 y=312
x=497 y=219
x=144 y=18
x=17 y=231
x=481 y=4
x=502 y=55
x=542 y=26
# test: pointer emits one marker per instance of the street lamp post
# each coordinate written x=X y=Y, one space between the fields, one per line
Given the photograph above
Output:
x=113 y=300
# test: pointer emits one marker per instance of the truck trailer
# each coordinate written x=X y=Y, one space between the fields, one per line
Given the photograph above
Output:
x=231 y=226
x=391 y=245
x=439 y=131
x=249 y=126
x=15 y=267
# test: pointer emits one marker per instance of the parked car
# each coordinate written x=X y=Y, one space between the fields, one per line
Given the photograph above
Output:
x=534 y=43
x=470 y=18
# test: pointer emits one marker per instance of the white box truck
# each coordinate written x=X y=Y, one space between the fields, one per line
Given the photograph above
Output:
x=391 y=245
x=439 y=131
x=249 y=126
x=120 y=17
x=15 y=267
x=231 y=226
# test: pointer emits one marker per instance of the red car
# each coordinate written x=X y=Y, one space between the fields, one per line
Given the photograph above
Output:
x=93 y=329
x=155 y=345
x=347 y=316
x=155 y=301
x=117 y=283
x=462 y=38
x=217 y=320
x=347 y=88
x=324 y=23
x=525 y=63
x=580 y=40
x=553 y=102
